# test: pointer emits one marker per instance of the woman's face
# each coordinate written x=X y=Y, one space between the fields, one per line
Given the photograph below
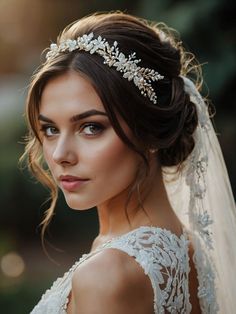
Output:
x=86 y=157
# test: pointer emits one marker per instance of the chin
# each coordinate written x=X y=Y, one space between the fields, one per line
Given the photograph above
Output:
x=77 y=204
x=76 y=207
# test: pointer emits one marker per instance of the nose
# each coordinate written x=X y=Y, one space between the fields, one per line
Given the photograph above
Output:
x=65 y=152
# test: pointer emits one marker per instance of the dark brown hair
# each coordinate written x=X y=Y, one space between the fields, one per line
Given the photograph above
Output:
x=167 y=126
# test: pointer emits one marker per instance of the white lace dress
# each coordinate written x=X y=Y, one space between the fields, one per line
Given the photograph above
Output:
x=163 y=257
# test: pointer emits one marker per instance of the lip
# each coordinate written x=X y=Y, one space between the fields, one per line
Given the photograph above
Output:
x=71 y=183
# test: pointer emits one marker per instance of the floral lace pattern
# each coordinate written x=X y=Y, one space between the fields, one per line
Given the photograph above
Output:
x=163 y=257
x=200 y=220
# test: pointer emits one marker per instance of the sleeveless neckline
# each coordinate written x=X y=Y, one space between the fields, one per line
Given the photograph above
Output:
x=85 y=256
x=119 y=237
x=59 y=293
x=143 y=228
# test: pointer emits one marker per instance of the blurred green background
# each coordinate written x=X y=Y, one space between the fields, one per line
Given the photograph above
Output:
x=207 y=28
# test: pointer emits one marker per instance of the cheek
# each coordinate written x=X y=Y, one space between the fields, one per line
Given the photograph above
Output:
x=114 y=164
x=47 y=154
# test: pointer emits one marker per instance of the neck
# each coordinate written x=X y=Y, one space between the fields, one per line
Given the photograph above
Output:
x=117 y=217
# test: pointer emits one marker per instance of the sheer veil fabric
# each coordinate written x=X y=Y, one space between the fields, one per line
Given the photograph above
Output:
x=203 y=200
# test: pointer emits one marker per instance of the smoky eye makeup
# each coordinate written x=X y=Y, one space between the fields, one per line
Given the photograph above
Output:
x=88 y=129
x=87 y=124
x=91 y=128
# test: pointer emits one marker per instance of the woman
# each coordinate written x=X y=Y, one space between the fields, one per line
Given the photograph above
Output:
x=122 y=128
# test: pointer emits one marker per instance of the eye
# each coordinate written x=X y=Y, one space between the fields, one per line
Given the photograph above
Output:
x=49 y=130
x=91 y=129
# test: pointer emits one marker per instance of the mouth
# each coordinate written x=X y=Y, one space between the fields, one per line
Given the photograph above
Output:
x=71 y=183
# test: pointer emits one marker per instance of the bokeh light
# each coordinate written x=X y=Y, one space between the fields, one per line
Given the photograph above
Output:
x=12 y=265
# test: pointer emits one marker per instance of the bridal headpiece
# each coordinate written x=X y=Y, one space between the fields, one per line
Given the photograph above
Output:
x=142 y=77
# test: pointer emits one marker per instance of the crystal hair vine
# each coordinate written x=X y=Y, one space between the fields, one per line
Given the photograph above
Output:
x=142 y=77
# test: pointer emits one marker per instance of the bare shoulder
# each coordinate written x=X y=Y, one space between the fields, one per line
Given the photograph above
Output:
x=111 y=282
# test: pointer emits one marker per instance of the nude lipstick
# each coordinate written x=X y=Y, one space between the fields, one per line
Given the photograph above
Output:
x=71 y=183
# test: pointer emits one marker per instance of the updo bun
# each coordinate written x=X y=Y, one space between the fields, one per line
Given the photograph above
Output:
x=180 y=142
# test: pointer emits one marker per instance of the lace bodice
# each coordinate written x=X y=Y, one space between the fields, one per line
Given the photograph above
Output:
x=163 y=257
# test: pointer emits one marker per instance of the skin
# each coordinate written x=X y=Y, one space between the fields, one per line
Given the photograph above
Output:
x=88 y=147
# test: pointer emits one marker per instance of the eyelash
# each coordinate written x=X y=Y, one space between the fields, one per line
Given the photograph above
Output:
x=46 y=127
x=99 y=126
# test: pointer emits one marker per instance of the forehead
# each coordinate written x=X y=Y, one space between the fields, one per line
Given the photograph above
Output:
x=68 y=93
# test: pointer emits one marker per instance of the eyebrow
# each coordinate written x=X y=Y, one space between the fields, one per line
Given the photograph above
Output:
x=76 y=117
